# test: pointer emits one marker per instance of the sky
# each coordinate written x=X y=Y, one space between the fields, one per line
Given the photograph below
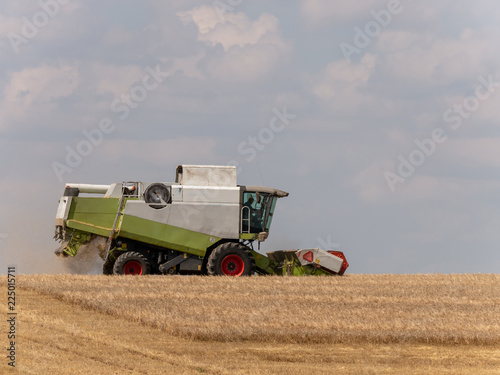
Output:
x=379 y=117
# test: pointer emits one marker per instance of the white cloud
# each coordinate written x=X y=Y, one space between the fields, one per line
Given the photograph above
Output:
x=244 y=64
x=488 y=109
x=119 y=36
x=370 y=184
x=473 y=153
x=340 y=85
x=236 y=29
x=440 y=61
x=252 y=48
x=433 y=14
x=115 y=79
x=393 y=40
x=55 y=23
x=7 y=25
x=33 y=92
x=189 y=66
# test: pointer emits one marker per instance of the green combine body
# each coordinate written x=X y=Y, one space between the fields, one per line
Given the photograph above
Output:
x=201 y=223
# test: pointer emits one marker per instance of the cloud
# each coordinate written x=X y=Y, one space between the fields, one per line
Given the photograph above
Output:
x=156 y=153
x=321 y=11
x=390 y=41
x=30 y=23
x=34 y=92
x=473 y=153
x=422 y=186
x=442 y=61
x=252 y=49
x=7 y=25
x=115 y=79
x=236 y=29
x=340 y=85
x=189 y=66
x=369 y=183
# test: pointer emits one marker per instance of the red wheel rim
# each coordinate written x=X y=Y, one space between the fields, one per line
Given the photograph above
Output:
x=132 y=268
x=232 y=265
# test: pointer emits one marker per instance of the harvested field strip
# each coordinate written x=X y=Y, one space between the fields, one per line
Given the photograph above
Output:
x=432 y=309
x=58 y=337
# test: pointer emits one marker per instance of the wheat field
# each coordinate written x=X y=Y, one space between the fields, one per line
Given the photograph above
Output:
x=355 y=324
x=444 y=309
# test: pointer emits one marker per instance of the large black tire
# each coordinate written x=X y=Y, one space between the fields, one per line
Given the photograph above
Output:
x=231 y=259
x=132 y=263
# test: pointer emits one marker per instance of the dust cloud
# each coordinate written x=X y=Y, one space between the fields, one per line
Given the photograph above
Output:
x=32 y=256
x=87 y=262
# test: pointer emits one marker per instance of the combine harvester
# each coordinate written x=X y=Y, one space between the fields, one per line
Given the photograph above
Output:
x=202 y=223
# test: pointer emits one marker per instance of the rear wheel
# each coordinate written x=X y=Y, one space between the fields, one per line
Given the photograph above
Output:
x=231 y=259
x=132 y=263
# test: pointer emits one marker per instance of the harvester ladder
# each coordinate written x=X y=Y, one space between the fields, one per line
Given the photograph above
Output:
x=245 y=219
x=113 y=229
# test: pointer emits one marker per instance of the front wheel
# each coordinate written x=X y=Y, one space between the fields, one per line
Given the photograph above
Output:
x=231 y=259
x=131 y=263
